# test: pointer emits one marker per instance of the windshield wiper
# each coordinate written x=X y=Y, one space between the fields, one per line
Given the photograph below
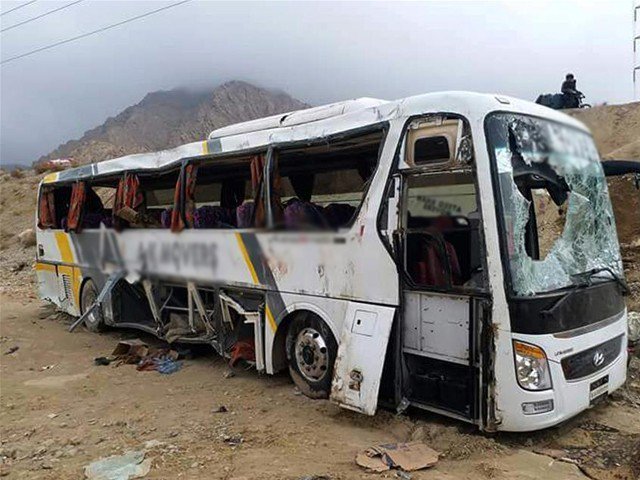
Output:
x=586 y=276
x=586 y=281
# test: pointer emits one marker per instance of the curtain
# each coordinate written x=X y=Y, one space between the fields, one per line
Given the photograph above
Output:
x=47 y=209
x=128 y=194
x=183 y=211
x=74 y=219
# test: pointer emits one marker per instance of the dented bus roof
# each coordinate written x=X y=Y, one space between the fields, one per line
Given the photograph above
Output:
x=314 y=123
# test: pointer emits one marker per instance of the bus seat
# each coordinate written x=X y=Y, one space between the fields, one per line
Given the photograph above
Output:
x=244 y=215
x=430 y=270
x=165 y=217
x=338 y=214
x=93 y=220
x=298 y=214
x=210 y=216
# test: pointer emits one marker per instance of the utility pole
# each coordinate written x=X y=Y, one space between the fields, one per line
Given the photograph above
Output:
x=636 y=50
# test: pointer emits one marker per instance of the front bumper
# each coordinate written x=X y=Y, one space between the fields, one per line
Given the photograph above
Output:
x=570 y=397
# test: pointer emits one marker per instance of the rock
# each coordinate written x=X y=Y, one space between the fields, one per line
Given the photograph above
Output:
x=149 y=444
x=12 y=350
x=131 y=464
x=27 y=238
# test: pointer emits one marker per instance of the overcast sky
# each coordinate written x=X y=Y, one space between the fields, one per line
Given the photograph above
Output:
x=317 y=52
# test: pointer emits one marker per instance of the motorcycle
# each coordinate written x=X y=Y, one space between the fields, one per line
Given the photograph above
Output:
x=560 y=101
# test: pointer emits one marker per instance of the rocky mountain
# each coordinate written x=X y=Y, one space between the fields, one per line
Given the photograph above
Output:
x=165 y=119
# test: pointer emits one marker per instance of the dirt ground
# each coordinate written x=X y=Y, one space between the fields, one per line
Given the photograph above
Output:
x=59 y=412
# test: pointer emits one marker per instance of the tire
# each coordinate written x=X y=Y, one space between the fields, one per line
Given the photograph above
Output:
x=95 y=321
x=311 y=351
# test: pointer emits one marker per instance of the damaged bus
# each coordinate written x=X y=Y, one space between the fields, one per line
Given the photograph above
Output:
x=454 y=252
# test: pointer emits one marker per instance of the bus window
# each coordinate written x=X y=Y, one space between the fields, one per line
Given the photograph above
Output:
x=155 y=200
x=224 y=195
x=321 y=188
x=98 y=206
x=53 y=206
x=432 y=141
x=442 y=224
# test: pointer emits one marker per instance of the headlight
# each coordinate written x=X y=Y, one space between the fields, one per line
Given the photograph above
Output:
x=532 y=367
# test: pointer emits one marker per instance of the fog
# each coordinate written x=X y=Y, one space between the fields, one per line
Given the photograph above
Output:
x=317 y=52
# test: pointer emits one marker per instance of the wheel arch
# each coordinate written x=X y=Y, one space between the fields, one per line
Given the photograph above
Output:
x=284 y=320
x=84 y=279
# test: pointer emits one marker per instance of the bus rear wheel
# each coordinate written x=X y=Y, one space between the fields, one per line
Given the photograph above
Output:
x=95 y=320
x=311 y=351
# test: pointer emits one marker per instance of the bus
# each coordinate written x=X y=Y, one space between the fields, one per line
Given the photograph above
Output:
x=454 y=252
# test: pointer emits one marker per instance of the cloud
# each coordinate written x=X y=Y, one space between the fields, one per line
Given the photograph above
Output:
x=318 y=52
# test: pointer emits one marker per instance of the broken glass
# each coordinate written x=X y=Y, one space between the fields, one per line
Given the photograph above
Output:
x=533 y=153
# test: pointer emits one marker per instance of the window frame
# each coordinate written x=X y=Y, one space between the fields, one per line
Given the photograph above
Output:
x=381 y=127
x=398 y=168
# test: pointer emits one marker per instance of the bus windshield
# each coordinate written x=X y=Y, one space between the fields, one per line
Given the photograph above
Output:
x=553 y=193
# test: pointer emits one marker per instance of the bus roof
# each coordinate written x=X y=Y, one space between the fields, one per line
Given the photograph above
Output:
x=312 y=124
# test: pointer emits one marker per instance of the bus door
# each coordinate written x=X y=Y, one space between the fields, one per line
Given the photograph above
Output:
x=439 y=253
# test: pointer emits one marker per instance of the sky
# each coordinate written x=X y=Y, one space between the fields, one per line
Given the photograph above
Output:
x=318 y=52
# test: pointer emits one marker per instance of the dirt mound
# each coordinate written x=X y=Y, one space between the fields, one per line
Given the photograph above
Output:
x=626 y=207
x=615 y=128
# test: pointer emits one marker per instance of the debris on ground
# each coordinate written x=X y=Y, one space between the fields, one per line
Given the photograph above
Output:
x=102 y=361
x=404 y=456
x=130 y=351
x=13 y=349
x=233 y=440
x=131 y=464
x=220 y=409
x=163 y=361
x=135 y=351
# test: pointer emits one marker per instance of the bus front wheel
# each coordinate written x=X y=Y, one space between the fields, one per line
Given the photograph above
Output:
x=311 y=351
x=95 y=320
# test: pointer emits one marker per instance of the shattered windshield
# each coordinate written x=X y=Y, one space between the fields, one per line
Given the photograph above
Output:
x=544 y=169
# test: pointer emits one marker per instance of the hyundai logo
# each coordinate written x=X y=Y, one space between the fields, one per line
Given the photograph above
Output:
x=598 y=359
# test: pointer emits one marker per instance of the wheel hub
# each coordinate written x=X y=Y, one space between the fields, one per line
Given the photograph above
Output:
x=312 y=354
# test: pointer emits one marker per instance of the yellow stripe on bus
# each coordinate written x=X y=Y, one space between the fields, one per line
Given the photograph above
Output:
x=52 y=177
x=64 y=246
x=247 y=260
x=66 y=255
x=45 y=267
x=271 y=320
x=205 y=148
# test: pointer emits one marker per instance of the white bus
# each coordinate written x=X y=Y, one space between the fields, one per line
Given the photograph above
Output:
x=387 y=253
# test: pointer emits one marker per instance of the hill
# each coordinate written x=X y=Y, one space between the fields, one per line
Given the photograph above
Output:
x=615 y=128
x=166 y=119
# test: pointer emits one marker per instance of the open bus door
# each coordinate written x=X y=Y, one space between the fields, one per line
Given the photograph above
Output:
x=440 y=255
